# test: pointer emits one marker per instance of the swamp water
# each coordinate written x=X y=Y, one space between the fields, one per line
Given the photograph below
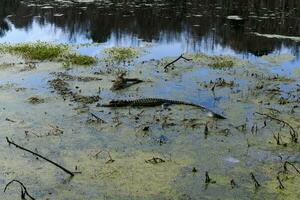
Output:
x=245 y=65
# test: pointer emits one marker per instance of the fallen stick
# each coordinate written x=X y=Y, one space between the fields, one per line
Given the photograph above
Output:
x=257 y=185
x=174 y=61
x=279 y=182
x=24 y=191
x=291 y=164
x=40 y=156
x=98 y=118
x=293 y=132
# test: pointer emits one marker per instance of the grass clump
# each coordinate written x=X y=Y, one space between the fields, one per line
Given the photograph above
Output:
x=38 y=51
x=45 y=51
x=221 y=62
x=78 y=59
x=216 y=61
x=121 y=53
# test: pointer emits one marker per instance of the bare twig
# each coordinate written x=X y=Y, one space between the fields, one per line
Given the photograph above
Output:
x=292 y=132
x=280 y=182
x=40 y=156
x=24 y=191
x=206 y=131
x=110 y=159
x=232 y=183
x=291 y=164
x=257 y=185
x=98 y=118
x=277 y=138
x=207 y=178
x=174 y=61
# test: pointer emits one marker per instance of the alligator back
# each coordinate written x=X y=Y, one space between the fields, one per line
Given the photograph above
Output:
x=150 y=102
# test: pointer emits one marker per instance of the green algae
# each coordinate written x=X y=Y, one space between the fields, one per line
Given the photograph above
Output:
x=230 y=150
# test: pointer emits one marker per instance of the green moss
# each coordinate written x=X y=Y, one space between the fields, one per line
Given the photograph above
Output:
x=121 y=53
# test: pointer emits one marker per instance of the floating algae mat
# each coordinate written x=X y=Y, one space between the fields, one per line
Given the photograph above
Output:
x=162 y=152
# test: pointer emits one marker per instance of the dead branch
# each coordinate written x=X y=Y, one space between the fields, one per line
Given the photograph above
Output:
x=174 y=61
x=292 y=132
x=24 y=191
x=206 y=131
x=40 y=156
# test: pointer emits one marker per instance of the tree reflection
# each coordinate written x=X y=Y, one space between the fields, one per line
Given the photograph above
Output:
x=169 y=20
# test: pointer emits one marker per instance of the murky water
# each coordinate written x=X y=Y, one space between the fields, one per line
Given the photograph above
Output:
x=45 y=104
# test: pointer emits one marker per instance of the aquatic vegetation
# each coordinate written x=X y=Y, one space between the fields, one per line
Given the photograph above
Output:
x=78 y=59
x=47 y=51
x=124 y=153
x=37 y=51
x=221 y=62
x=216 y=61
x=36 y=100
x=278 y=58
x=121 y=53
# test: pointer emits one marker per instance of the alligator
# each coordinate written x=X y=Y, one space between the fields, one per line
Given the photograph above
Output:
x=150 y=102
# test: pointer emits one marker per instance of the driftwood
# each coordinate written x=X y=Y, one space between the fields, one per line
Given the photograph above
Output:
x=24 y=191
x=40 y=156
x=174 y=61
x=121 y=82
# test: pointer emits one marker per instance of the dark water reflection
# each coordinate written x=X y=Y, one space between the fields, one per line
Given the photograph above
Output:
x=176 y=26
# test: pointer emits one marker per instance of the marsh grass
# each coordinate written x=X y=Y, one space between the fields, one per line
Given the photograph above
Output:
x=78 y=59
x=221 y=62
x=120 y=54
x=46 y=51
x=217 y=62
